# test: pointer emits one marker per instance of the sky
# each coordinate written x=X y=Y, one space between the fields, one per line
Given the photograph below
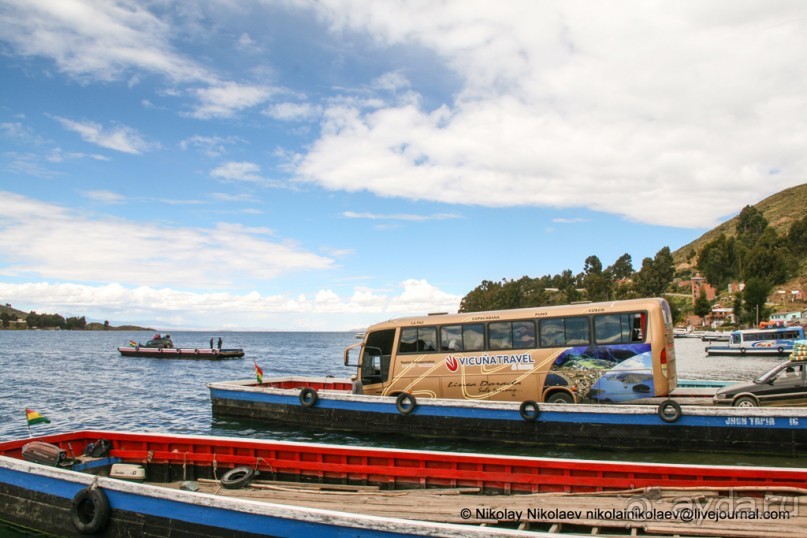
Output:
x=325 y=165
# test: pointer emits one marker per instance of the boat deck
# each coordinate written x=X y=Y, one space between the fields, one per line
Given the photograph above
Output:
x=736 y=512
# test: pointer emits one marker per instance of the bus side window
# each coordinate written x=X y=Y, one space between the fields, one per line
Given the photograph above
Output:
x=409 y=338
x=577 y=331
x=473 y=337
x=451 y=338
x=608 y=329
x=427 y=339
x=500 y=335
x=637 y=334
x=552 y=333
x=523 y=334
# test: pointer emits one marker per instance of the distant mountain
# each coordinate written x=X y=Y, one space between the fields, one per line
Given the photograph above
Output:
x=780 y=210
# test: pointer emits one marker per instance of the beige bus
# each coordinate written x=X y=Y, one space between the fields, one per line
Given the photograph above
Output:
x=590 y=352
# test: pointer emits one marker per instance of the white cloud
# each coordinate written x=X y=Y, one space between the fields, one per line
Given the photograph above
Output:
x=225 y=99
x=675 y=116
x=247 y=310
x=238 y=171
x=106 y=197
x=293 y=111
x=96 y=40
x=51 y=242
x=400 y=216
x=120 y=137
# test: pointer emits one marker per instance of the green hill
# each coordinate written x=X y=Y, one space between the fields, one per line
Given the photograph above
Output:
x=781 y=210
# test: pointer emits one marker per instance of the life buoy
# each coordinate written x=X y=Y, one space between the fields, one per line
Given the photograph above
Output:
x=405 y=403
x=529 y=410
x=669 y=411
x=238 y=478
x=90 y=510
x=308 y=397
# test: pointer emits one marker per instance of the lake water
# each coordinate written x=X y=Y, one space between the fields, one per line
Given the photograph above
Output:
x=78 y=380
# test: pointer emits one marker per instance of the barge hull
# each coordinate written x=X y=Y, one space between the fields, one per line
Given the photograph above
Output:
x=613 y=427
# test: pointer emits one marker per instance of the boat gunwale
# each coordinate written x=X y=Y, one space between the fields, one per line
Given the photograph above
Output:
x=621 y=409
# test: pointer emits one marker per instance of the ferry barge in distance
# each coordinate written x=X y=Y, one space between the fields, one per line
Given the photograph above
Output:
x=119 y=484
x=777 y=340
x=163 y=348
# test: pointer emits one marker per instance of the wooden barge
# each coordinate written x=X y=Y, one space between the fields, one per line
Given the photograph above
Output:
x=191 y=486
x=328 y=403
x=181 y=353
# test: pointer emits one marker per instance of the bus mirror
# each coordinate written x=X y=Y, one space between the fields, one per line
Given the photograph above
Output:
x=347 y=355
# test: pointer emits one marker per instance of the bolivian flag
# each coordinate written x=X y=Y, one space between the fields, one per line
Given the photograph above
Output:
x=34 y=417
x=132 y=343
x=258 y=372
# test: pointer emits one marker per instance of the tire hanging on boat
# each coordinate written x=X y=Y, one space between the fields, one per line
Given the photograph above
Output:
x=669 y=411
x=90 y=510
x=529 y=410
x=405 y=403
x=308 y=397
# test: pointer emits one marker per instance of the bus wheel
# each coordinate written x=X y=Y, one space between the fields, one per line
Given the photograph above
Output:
x=308 y=397
x=669 y=411
x=529 y=410
x=405 y=403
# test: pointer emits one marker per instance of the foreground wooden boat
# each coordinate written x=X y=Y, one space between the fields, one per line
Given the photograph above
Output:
x=181 y=353
x=189 y=486
x=666 y=424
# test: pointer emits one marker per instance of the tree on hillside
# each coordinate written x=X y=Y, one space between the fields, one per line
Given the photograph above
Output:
x=755 y=295
x=717 y=261
x=702 y=307
x=751 y=223
x=767 y=259
x=797 y=239
x=596 y=283
x=656 y=274
x=622 y=268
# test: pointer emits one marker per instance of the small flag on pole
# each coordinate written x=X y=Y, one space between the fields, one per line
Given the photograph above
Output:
x=34 y=417
x=258 y=372
x=132 y=343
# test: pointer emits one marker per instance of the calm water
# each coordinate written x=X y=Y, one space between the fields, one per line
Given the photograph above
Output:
x=79 y=380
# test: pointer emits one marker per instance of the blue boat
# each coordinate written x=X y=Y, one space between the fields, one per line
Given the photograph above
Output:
x=761 y=341
x=664 y=424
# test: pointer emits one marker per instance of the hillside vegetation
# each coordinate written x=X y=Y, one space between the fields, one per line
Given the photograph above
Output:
x=781 y=210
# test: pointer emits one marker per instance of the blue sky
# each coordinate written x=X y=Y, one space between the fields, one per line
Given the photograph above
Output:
x=301 y=165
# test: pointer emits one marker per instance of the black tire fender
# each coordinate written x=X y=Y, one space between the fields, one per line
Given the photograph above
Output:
x=90 y=510
x=669 y=411
x=405 y=403
x=308 y=397
x=781 y=350
x=238 y=478
x=742 y=351
x=529 y=410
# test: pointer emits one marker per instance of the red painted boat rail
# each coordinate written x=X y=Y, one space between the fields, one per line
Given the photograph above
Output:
x=391 y=468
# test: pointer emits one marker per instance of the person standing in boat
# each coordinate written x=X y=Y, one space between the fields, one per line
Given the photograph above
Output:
x=211 y=343
x=219 y=343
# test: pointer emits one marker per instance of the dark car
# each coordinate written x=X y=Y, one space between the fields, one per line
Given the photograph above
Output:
x=783 y=385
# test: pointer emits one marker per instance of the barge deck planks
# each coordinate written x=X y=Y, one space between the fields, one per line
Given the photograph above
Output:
x=444 y=506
